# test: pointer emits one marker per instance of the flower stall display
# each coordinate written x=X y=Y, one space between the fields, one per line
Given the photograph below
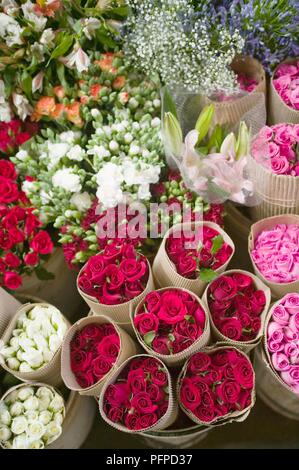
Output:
x=32 y=343
x=115 y=279
x=274 y=169
x=31 y=417
x=284 y=93
x=217 y=385
x=191 y=255
x=171 y=324
x=277 y=358
x=274 y=252
x=237 y=302
x=24 y=246
x=139 y=397
x=93 y=348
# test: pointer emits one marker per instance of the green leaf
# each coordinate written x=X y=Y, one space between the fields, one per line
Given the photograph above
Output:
x=171 y=337
x=217 y=244
x=168 y=102
x=207 y=275
x=63 y=47
x=61 y=75
x=27 y=84
x=149 y=337
x=43 y=274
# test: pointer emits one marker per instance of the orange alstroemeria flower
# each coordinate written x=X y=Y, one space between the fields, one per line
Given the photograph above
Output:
x=45 y=106
x=57 y=113
x=41 y=8
x=119 y=82
x=59 y=92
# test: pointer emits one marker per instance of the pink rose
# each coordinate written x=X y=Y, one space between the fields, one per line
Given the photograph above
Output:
x=280 y=165
x=152 y=301
x=291 y=303
x=280 y=361
x=146 y=322
x=12 y=280
x=291 y=376
x=294 y=98
x=284 y=135
x=133 y=270
x=294 y=322
x=172 y=308
x=286 y=69
x=280 y=315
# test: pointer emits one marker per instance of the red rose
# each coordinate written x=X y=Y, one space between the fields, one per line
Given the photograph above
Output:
x=242 y=280
x=85 y=379
x=159 y=377
x=114 y=278
x=8 y=190
x=244 y=399
x=7 y=170
x=12 y=260
x=22 y=137
x=222 y=256
x=231 y=328
x=12 y=280
x=172 y=308
x=155 y=392
x=6 y=241
x=115 y=414
x=152 y=301
x=142 y=403
x=174 y=247
x=133 y=270
x=85 y=284
x=212 y=375
x=161 y=344
x=31 y=259
x=31 y=224
x=150 y=364
x=117 y=394
x=93 y=332
x=96 y=265
x=186 y=266
x=16 y=235
x=146 y=322
x=199 y=362
x=101 y=366
x=2 y=266
x=258 y=302
x=205 y=414
x=133 y=289
x=80 y=361
x=243 y=373
x=242 y=304
x=145 y=421
x=108 y=329
x=109 y=347
x=186 y=329
x=200 y=384
x=220 y=358
x=78 y=342
x=136 y=381
x=42 y=243
x=111 y=253
x=223 y=288
x=189 y=394
x=228 y=391
x=207 y=399
x=131 y=421
x=200 y=316
x=256 y=325
x=206 y=257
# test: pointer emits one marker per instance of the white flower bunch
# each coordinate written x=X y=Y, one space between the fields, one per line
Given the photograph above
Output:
x=127 y=156
x=38 y=335
x=31 y=417
x=55 y=162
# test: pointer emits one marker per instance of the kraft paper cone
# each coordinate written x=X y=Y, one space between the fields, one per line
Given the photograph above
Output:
x=120 y=314
x=128 y=348
x=36 y=385
x=236 y=416
x=8 y=307
x=164 y=270
x=278 y=290
x=278 y=193
x=272 y=390
x=164 y=422
x=251 y=106
x=245 y=346
x=49 y=373
x=174 y=360
x=278 y=110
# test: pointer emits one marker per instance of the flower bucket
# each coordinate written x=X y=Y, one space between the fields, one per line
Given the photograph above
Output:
x=165 y=273
x=278 y=110
x=128 y=348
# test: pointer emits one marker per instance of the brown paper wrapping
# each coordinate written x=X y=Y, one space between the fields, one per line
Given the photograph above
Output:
x=128 y=348
x=270 y=386
x=165 y=273
x=236 y=416
x=49 y=373
x=164 y=422
x=8 y=307
x=278 y=290
x=278 y=110
x=245 y=346
x=37 y=385
x=230 y=113
x=174 y=360
x=278 y=193
x=120 y=314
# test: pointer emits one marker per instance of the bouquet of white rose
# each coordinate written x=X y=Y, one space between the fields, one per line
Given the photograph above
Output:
x=31 y=417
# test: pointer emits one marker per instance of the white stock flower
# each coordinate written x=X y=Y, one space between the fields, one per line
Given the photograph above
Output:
x=19 y=425
x=82 y=201
x=69 y=136
x=76 y=59
x=56 y=152
x=90 y=27
x=144 y=191
x=22 y=105
x=99 y=151
x=76 y=153
x=47 y=38
x=21 y=155
x=38 y=21
x=66 y=179
x=10 y=30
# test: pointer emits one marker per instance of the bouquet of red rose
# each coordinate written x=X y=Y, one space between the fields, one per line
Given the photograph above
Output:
x=114 y=278
x=23 y=245
x=15 y=133
x=92 y=349
x=139 y=397
x=217 y=384
x=191 y=255
x=238 y=303
x=171 y=324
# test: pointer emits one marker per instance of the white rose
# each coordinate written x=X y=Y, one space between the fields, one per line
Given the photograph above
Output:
x=26 y=344
x=67 y=180
x=53 y=431
x=58 y=418
x=11 y=397
x=5 y=417
x=34 y=358
x=31 y=415
x=24 y=367
x=44 y=403
x=82 y=201
x=76 y=153
x=13 y=363
x=20 y=442
x=47 y=355
x=5 y=433
x=19 y=425
x=22 y=155
x=8 y=351
x=57 y=404
x=14 y=342
x=17 y=332
x=40 y=342
x=45 y=417
x=36 y=430
x=31 y=404
x=16 y=409
x=36 y=445
x=54 y=343
x=44 y=392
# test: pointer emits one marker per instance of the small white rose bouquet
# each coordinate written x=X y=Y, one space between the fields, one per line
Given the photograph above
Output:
x=32 y=343
x=31 y=417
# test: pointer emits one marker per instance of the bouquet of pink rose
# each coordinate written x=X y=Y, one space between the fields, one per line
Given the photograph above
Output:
x=191 y=255
x=139 y=397
x=92 y=349
x=215 y=385
x=284 y=93
x=238 y=302
x=172 y=324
